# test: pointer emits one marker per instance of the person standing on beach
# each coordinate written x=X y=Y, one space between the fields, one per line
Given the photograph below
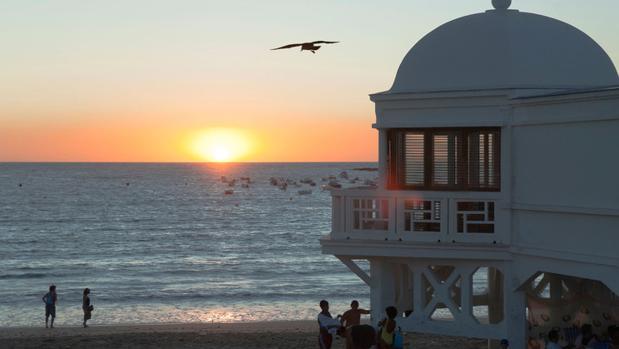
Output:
x=50 y=300
x=352 y=317
x=387 y=329
x=328 y=326
x=86 y=306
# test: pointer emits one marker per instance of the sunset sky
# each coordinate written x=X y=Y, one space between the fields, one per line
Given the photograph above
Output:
x=150 y=80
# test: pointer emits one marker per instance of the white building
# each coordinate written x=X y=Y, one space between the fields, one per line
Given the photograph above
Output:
x=498 y=161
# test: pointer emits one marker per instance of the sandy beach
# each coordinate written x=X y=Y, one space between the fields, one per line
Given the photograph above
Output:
x=290 y=334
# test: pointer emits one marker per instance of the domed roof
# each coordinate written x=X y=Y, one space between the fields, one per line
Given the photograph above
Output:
x=504 y=49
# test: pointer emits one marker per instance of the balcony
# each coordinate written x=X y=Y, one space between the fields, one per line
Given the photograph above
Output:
x=419 y=216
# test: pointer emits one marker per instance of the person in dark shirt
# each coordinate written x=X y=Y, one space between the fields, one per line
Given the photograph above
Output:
x=86 y=306
x=50 y=300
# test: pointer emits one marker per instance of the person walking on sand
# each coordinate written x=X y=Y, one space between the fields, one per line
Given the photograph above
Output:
x=50 y=300
x=86 y=306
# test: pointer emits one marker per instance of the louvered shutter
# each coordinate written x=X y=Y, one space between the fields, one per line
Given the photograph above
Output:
x=414 y=158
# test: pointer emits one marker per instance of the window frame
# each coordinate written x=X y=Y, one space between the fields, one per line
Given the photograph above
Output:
x=397 y=166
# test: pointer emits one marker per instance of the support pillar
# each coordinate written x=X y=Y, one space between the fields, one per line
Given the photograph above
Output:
x=515 y=321
x=382 y=291
x=496 y=295
x=556 y=289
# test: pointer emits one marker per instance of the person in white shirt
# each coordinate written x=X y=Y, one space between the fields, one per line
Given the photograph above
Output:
x=328 y=326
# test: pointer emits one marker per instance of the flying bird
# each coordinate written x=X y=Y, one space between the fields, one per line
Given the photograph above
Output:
x=307 y=46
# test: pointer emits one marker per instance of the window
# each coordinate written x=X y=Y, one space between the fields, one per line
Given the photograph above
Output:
x=445 y=159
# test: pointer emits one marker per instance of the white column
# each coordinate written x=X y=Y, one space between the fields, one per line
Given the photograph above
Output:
x=515 y=312
x=376 y=301
x=383 y=149
x=383 y=288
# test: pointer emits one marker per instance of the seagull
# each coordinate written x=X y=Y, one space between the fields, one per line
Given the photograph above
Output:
x=307 y=46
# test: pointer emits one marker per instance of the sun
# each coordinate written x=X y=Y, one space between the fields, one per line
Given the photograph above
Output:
x=221 y=144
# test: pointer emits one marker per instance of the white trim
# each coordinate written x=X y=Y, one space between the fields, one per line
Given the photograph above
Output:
x=560 y=97
x=563 y=119
x=598 y=211
x=440 y=124
x=365 y=248
x=562 y=256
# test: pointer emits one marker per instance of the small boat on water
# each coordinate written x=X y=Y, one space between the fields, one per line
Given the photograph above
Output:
x=304 y=192
x=229 y=192
x=370 y=183
x=332 y=185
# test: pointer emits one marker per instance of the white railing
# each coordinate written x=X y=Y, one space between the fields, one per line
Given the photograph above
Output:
x=419 y=216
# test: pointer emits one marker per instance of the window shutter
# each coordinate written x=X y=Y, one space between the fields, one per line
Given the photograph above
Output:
x=484 y=159
x=414 y=158
x=447 y=159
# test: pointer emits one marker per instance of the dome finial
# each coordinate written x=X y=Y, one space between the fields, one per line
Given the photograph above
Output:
x=501 y=4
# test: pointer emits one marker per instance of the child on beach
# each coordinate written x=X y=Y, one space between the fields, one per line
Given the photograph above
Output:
x=328 y=326
x=50 y=299
x=387 y=328
x=86 y=306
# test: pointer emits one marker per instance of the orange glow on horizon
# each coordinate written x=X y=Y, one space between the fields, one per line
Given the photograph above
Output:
x=143 y=139
x=222 y=144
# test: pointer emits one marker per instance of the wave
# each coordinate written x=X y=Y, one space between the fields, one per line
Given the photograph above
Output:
x=23 y=276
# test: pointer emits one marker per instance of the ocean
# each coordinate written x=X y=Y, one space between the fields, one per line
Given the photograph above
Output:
x=162 y=243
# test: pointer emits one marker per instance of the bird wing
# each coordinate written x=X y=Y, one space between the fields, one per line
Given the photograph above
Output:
x=287 y=46
x=325 y=42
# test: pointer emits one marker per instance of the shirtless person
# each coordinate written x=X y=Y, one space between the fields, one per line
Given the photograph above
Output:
x=352 y=317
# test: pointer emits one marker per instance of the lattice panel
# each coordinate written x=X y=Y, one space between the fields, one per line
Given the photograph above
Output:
x=422 y=216
x=370 y=214
x=475 y=217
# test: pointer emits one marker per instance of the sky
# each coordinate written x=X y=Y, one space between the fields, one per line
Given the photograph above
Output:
x=194 y=80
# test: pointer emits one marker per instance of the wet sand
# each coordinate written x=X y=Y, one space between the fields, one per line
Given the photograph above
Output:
x=290 y=334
